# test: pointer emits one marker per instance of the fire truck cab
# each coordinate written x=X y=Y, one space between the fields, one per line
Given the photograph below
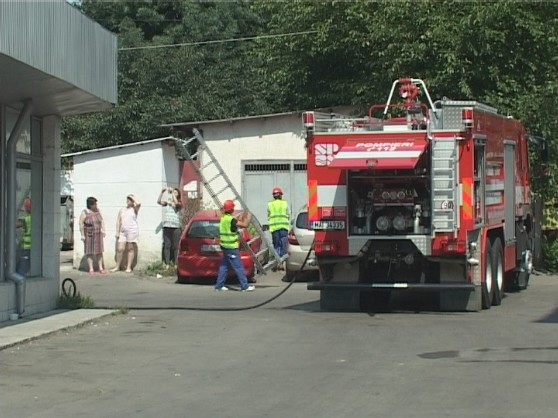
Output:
x=419 y=196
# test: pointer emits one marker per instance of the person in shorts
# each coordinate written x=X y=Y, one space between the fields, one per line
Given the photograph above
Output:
x=127 y=232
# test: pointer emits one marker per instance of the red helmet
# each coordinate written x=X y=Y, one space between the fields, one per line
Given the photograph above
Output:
x=27 y=205
x=277 y=191
x=228 y=206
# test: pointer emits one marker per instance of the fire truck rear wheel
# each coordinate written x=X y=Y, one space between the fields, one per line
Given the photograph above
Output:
x=488 y=282
x=497 y=271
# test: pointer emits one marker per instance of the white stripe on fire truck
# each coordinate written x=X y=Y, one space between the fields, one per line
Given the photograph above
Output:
x=332 y=196
x=494 y=199
x=345 y=155
x=495 y=186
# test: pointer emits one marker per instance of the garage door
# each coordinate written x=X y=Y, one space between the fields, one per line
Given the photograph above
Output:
x=260 y=177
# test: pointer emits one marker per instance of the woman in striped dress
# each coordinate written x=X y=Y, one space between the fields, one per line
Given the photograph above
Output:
x=92 y=228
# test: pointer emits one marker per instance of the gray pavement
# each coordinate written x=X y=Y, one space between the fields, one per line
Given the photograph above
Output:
x=286 y=358
x=113 y=293
x=30 y=328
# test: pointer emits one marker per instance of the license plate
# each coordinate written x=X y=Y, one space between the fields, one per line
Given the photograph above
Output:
x=210 y=248
x=328 y=225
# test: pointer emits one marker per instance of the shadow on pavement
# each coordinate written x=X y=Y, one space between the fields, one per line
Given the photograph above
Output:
x=551 y=318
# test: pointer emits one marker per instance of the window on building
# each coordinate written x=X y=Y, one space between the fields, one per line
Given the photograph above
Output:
x=29 y=197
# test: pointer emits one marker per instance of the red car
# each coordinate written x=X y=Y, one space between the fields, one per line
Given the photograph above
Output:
x=199 y=254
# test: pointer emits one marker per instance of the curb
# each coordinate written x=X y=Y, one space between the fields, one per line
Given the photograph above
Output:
x=31 y=330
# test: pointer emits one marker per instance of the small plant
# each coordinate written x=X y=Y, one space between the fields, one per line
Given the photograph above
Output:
x=75 y=302
x=550 y=252
x=161 y=268
x=123 y=310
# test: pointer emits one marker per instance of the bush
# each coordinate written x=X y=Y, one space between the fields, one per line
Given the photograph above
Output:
x=550 y=252
x=75 y=302
x=161 y=268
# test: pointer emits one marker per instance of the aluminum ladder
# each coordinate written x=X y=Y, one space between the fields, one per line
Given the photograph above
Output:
x=444 y=185
x=211 y=181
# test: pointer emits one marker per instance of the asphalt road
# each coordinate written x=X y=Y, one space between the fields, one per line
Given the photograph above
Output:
x=286 y=358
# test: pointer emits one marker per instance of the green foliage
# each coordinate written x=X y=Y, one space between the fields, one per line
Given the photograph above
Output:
x=550 y=252
x=158 y=267
x=172 y=84
x=500 y=53
x=75 y=302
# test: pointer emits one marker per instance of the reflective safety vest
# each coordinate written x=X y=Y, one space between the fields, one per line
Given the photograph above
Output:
x=26 y=242
x=228 y=238
x=278 y=215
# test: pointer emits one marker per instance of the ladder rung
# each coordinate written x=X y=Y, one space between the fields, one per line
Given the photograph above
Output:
x=207 y=164
x=188 y=141
x=253 y=240
x=194 y=155
x=213 y=178
x=269 y=265
x=222 y=190
x=262 y=252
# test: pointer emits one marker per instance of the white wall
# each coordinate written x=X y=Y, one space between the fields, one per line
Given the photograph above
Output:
x=272 y=138
x=66 y=183
x=110 y=175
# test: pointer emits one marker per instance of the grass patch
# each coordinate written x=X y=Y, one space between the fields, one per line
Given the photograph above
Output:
x=158 y=267
x=123 y=310
x=75 y=302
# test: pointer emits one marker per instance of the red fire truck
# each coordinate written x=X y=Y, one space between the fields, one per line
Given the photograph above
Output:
x=419 y=196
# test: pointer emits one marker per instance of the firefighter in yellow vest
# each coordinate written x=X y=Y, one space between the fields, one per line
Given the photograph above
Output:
x=24 y=259
x=229 y=238
x=279 y=222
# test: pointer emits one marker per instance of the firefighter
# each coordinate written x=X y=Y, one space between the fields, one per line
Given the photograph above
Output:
x=228 y=231
x=279 y=222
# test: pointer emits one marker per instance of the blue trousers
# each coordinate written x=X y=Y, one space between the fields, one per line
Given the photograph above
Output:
x=280 y=241
x=23 y=262
x=231 y=258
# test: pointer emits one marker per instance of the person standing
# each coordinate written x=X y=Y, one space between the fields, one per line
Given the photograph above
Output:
x=92 y=228
x=24 y=260
x=127 y=232
x=229 y=237
x=279 y=222
x=171 y=223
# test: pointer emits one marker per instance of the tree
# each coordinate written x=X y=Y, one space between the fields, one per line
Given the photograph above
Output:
x=172 y=84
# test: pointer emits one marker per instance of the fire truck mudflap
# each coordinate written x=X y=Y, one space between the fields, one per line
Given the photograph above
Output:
x=419 y=198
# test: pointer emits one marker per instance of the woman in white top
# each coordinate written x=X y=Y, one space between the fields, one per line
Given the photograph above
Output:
x=127 y=232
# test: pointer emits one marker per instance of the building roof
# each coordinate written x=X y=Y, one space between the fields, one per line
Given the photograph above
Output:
x=56 y=57
x=205 y=122
x=130 y=144
x=332 y=109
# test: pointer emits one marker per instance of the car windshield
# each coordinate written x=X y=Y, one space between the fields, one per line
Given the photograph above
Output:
x=302 y=220
x=204 y=229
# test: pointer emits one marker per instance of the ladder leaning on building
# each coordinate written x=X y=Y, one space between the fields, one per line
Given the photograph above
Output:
x=266 y=258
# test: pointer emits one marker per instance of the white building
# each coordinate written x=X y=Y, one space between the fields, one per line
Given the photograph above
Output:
x=257 y=153
x=54 y=62
x=110 y=174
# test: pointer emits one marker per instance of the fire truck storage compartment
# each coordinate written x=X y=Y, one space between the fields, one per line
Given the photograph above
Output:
x=390 y=202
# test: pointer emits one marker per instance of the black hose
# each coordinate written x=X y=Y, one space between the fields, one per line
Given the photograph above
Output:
x=246 y=308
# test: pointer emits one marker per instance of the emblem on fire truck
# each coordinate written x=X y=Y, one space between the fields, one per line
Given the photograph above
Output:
x=324 y=153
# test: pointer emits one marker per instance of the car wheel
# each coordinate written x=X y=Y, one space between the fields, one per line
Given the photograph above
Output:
x=290 y=274
x=183 y=279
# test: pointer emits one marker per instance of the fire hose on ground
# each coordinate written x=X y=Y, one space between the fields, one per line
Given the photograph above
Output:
x=69 y=289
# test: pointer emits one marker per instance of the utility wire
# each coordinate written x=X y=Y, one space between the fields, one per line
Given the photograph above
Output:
x=218 y=41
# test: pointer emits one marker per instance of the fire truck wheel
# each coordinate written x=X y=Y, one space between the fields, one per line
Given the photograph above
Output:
x=497 y=271
x=488 y=282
